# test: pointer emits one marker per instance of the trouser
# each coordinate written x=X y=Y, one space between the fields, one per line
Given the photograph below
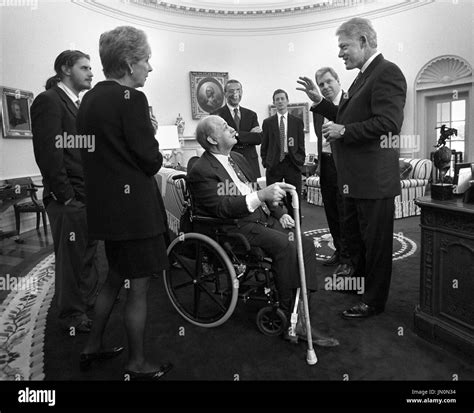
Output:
x=76 y=261
x=280 y=245
x=291 y=174
x=333 y=205
x=369 y=227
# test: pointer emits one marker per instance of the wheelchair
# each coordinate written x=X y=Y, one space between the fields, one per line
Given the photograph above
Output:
x=211 y=269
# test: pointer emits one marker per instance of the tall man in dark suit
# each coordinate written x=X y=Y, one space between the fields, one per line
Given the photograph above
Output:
x=58 y=155
x=367 y=169
x=328 y=82
x=282 y=149
x=244 y=121
x=219 y=169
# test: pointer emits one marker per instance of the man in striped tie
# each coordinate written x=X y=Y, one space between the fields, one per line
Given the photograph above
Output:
x=223 y=185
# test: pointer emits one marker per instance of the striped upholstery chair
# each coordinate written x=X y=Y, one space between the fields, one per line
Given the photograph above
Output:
x=413 y=187
x=172 y=197
x=313 y=191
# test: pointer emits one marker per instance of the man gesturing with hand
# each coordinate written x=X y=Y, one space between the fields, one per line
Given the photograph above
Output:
x=367 y=168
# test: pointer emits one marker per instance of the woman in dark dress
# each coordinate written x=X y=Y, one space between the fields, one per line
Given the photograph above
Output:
x=124 y=206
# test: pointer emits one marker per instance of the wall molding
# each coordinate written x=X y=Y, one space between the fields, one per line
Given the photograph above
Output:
x=443 y=71
x=248 y=12
x=232 y=22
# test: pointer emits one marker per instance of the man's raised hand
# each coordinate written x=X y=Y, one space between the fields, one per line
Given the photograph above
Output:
x=310 y=89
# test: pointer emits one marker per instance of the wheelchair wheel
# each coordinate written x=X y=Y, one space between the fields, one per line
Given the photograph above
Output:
x=271 y=321
x=201 y=281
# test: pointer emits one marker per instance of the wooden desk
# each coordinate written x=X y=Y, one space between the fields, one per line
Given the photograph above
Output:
x=445 y=314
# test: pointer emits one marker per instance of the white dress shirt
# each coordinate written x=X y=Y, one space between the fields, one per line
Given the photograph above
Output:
x=231 y=108
x=70 y=94
x=369 y=61
x=251 y=197
x=326 y=146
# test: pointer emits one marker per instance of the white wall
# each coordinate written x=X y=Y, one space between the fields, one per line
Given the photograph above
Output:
x=262 y=63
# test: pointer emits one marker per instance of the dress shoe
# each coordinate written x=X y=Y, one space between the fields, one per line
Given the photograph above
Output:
x=86 y=359
x=344 y=270
x=332 y=260
x=317 y=337
x=361 y=310
x=152 y=375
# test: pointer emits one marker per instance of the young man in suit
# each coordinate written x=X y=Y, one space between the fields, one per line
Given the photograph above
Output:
x=219 y=169
x=367 y=170
x=328 y=82
x=53 y=115
x=282 y=149
x=244 y=121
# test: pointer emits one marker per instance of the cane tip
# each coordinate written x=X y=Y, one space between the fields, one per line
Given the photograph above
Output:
x=311 y=357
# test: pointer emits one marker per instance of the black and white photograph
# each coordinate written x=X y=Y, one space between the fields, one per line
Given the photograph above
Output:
x=269 y=200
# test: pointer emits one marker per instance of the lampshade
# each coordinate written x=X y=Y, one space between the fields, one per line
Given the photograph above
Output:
x=167 y=137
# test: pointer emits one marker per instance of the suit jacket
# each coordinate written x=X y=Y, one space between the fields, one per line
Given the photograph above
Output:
x=270 y=149
x=370 y=109
x=53 y=114
x=123 y=200
x=208 y=179
x=246 y=139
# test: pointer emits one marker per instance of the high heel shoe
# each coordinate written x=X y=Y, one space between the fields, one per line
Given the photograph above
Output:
x=153 y=375
x=86 y=359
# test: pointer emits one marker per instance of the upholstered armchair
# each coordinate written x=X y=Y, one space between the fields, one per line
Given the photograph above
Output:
x=414 y=184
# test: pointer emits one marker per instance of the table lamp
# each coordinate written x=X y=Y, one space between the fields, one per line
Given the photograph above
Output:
x=167 y=137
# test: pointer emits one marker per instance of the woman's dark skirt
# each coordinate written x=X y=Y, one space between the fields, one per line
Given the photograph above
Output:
x=137 y=258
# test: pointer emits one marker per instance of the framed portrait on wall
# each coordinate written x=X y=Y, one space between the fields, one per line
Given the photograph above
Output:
x=15 y=112
x=300 y=110
x=207 y=92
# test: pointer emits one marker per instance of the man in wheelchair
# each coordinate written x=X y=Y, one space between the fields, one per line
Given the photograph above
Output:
x=223 y=186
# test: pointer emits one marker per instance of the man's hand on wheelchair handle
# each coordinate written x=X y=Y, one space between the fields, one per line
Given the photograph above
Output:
x=286 y=221
x=274 y=193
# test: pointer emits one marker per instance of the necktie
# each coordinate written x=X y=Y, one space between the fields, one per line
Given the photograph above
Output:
x=238 y=171
x=237 y=119
x=282 y=139
x=354 y=83
x=244 y=179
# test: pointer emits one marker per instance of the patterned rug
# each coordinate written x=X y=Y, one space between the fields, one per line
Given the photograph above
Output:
x=403 y=246
x=23 y=322
x=23 y=313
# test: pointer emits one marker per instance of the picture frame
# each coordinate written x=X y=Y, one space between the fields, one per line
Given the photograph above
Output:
x=300 y=110
x=207 y=92
x=463 y=173
x=15 y=113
